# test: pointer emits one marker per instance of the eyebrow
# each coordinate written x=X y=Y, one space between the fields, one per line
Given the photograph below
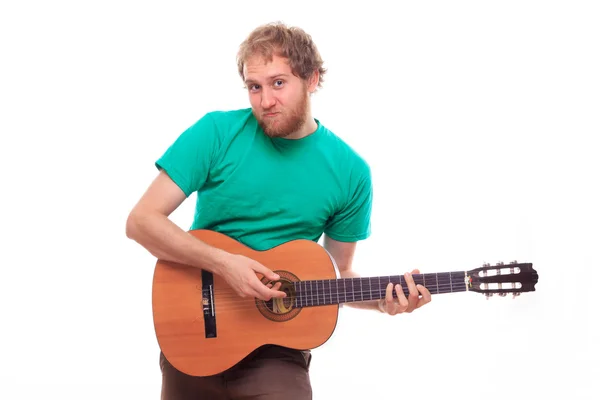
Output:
x=270 y=78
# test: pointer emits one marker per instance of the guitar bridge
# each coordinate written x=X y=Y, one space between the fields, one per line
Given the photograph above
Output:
x=208 y=305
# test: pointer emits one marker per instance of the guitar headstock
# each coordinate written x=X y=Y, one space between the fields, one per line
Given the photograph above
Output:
x=501 y=279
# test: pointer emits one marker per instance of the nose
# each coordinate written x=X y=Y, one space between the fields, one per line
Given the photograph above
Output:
x=267 y=99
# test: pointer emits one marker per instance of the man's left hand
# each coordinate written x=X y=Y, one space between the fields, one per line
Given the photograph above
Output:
x=402 y=304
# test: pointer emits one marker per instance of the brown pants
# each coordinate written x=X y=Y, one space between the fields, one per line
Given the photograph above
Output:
x=269 y=373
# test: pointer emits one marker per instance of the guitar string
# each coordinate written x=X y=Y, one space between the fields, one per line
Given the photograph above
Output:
x=312 y=291
x=306 y=294
x=232 y=300
x=249 y=304
x=237 y=303
x=358 y=296
x=442 y=285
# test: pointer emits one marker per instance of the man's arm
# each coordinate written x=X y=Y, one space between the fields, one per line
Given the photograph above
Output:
x=149 y=225
x=343 y=254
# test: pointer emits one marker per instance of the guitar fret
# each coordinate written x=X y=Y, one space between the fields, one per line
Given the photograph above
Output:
x=459 y=281
x=296 y=298
x=318 y=293
x=437 y=286
x=351 y=292
x=354 y=287
x=402 y=282
x=306 y=292
x=361 y=293
x=362 y=286
x=317 y=290
x=330 y=296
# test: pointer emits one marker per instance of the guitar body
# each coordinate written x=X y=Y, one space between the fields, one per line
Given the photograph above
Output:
x=203 y=327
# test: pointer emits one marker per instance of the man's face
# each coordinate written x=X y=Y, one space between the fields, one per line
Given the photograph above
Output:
x=279 y=99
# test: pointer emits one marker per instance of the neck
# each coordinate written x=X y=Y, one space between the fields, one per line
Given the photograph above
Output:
x=349 y=290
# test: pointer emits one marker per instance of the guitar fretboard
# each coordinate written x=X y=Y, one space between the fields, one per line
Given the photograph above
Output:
x=312 y=293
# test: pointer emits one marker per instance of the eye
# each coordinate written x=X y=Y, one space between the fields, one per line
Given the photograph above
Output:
x=278 y=83
x=253 y=87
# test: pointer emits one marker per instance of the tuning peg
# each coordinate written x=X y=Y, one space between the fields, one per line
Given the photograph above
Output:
x=516 y=294
x=502 y=294
x=488 y=295
x=500 y=263
x=513 y=262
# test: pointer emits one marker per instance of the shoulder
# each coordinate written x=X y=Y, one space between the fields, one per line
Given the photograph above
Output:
x=222 y=124
x=227 y=118
x=348 y=157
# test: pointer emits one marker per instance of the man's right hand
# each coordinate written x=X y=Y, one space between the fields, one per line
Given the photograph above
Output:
x=240 y=273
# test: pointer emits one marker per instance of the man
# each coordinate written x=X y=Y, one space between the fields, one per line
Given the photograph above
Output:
x=263 y=176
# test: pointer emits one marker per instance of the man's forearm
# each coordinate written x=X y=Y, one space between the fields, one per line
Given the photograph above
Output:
x=166 y=241
x=366 y=305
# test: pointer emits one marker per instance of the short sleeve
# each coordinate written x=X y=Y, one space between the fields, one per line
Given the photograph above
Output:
x=353 y=221
x=188 y=160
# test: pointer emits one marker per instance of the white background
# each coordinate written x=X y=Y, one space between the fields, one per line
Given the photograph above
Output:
x=478 y=119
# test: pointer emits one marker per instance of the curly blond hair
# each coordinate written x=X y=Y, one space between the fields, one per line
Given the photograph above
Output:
x=278 y=39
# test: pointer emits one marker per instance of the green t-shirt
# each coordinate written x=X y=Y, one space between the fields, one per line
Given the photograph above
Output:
x=266 y=191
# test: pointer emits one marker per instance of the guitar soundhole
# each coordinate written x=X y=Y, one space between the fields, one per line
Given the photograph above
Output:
x=280 y=310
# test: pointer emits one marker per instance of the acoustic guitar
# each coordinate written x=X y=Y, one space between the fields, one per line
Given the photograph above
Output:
x=203 y=327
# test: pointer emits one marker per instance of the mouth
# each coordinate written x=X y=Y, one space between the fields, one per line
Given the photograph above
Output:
x=270 y=115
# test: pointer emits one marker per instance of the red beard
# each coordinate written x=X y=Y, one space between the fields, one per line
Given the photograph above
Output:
x=285 y=122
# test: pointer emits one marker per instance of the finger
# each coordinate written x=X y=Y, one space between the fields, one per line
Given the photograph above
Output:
x=389 y=298
x=275 y=286
x=263 y=293
x=402 y=300
x=425 y=296
x=267 y=293
x=413 y=293
x=412 y=288
x=415 y=271
x=261 y=269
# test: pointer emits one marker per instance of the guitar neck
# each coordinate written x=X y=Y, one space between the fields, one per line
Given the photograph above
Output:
x=348 y=290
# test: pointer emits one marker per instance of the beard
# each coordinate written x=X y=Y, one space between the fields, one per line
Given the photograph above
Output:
x=287 y=121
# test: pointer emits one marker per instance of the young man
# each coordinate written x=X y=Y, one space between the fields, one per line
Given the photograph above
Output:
x=263 y=176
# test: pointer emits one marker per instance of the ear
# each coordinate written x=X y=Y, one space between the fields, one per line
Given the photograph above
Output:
x=313 y=81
